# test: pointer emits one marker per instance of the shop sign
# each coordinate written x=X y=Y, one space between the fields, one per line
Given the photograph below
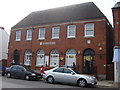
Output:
x=47 y=43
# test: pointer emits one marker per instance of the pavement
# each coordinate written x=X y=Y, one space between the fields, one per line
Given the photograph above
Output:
x=107 y=84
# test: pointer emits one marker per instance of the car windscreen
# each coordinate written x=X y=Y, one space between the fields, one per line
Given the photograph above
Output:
x=76 y=71
x=28 y=68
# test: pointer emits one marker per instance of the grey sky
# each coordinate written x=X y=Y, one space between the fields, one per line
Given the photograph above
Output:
x=12 y=11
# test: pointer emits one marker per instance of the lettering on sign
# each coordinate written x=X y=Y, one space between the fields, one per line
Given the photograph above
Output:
x=47 y=43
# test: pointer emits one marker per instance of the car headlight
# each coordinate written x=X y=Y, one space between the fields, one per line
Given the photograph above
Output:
x=90 y=77
x=33 y=74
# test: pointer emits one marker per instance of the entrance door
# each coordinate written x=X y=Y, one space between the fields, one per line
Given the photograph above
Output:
x=16 y=57
x=88 y=61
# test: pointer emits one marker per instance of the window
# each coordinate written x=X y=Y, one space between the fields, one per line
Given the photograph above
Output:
x=67 y=71
x=70 y=57
x=28 y=57
x=41 y=33
x=71 y=31
x=18 y=35
x=29 y=35
x=54 y=58
x=60 y=70
x=89 y=30
x=55 y=32
x=40 y=58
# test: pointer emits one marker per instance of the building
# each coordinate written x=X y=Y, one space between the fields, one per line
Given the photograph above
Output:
x=78 y=33
x=4 y=38
x=116 y=58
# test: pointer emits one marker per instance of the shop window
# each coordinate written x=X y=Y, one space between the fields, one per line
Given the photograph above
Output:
x=28 y=57
x=40 y=59
x=70 y=57
x=54 y=58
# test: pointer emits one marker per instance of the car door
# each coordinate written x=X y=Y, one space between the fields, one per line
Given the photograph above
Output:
x=69 y=76
x=58 y=74
x=20 y=72
x=13 y=71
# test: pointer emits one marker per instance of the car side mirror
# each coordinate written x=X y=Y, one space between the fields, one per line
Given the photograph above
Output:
x=72 y=73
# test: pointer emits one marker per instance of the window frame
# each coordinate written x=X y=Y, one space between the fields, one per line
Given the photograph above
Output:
x=54 y=57
x=87 y=29
x=27 y=57
x=54 y=33
x=41 y=34
x=18 y=36
x=68 y=31
x=38 y=63
x=29 y=35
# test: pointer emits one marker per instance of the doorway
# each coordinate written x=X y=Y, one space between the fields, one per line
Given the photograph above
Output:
x=88 y=61
x=16 y=57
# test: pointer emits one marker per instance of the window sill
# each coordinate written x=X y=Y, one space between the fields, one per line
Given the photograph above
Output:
x=71 y=37
x=89 y=36
x=42 y=39
x=54 y=38
x=17 y=40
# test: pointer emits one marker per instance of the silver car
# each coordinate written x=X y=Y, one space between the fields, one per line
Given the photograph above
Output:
x=68 y=76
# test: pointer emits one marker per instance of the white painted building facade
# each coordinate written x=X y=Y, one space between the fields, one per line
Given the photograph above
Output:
x=4 y=39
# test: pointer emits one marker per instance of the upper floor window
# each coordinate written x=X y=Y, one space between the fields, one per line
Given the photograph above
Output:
x=71 y=31
x=29 y=35
x=18 y=35
x=41 y=33
x=55 y=32
x=89 y=30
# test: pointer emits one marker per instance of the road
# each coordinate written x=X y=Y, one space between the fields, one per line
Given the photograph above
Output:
x=18 y=83
x=11 y=84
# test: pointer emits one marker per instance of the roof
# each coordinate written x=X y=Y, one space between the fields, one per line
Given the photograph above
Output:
x=62 y=14
x=117 y=5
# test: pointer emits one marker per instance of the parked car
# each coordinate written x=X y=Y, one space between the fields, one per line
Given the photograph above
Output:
x=68 y=76
x=2 y=70
x=23 y=72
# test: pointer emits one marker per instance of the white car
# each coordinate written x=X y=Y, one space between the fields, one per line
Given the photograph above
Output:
x=68 y=76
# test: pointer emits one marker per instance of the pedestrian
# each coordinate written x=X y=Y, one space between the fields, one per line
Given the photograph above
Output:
x=46 y=66
x=74 y=66
x=13 y=62
x=42 y=70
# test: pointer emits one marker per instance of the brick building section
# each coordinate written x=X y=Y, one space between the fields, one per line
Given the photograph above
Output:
x=116 y=19
x=103 y=38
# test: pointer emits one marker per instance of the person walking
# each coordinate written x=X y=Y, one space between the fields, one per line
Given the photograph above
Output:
x=42 y=70
x=74 y=66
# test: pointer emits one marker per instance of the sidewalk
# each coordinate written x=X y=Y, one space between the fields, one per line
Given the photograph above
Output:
x=107 y=84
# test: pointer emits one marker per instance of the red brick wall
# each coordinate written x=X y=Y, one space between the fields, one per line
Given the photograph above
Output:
x=116 y=19
x=63 y=44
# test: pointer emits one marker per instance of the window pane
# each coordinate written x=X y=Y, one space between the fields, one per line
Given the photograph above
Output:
x=18 y=35
x=40 y=58
x=29 y=34
x=42 y=33
x=55 y=32
x=89 y=29
x=71 y=31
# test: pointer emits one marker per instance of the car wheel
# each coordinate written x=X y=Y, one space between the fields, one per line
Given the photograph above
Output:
x=27 y=77
x=82 y=82
x=8 y=75
x=50 y=79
